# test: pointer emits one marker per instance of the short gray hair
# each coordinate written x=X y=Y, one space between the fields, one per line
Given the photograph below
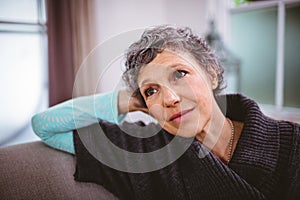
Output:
x=179 y=39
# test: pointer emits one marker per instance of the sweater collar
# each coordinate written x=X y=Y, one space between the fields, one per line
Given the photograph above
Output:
x=258 y=145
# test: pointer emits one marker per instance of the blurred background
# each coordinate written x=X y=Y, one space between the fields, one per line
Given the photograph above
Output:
x=45 y=43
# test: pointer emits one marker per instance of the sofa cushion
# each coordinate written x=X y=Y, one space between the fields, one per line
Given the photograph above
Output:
x=36 y=171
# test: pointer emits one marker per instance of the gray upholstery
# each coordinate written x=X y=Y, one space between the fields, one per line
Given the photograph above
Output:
x=36 y=171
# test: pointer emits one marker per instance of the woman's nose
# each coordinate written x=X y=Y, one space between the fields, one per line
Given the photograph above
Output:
x=170 y=97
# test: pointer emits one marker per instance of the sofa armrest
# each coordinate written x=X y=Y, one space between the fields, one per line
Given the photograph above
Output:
x=36 y=171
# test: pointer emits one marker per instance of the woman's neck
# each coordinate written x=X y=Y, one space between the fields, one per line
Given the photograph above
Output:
x=219 y=138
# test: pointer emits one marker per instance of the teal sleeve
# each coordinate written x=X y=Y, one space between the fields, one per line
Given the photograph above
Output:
x=55 y=125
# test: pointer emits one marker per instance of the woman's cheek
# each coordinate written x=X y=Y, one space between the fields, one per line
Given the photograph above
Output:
x=157 y=111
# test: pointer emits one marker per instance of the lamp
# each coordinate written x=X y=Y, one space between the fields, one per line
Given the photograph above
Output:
x=227 y=59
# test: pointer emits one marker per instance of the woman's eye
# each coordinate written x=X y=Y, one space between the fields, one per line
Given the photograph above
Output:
x=150 y=91
x=179 y=74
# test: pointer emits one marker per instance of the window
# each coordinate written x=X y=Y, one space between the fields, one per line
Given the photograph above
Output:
x=291 y=54
x=23 y=77
x=264 y=35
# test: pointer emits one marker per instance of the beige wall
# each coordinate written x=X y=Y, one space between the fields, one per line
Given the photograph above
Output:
x=117 y=17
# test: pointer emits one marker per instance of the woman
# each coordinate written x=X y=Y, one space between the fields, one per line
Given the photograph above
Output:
x=175 y=77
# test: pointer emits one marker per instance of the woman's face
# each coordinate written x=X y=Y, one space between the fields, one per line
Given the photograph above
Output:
x=178 y=93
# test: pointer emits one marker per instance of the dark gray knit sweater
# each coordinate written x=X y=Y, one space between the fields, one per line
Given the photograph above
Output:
x=265 y=164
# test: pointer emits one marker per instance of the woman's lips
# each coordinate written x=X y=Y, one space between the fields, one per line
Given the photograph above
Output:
x=178 y=116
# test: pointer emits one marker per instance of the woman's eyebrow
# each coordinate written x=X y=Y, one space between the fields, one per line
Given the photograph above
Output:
x=176 y=65
x=173 y=65
x=144 y=82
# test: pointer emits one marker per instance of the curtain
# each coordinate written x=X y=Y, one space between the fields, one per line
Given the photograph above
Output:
x=72 y=34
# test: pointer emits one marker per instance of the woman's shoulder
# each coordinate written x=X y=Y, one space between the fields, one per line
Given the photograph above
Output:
x=289 y=128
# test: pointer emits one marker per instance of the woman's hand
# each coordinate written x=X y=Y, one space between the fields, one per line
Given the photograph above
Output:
x=127 y=102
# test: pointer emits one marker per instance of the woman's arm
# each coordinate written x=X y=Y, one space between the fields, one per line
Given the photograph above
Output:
x=55 y=125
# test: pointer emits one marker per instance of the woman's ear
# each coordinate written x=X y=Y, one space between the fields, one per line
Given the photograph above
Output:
x=214 y=79
x=214 y=83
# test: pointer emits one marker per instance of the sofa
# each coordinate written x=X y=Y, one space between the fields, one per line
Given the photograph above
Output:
x=35 y=171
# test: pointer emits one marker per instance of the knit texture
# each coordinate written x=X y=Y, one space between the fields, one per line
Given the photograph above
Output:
x=265 y=164
x=55 y=125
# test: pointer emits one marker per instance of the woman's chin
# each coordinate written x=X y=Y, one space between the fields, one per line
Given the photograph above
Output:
x=186 y=132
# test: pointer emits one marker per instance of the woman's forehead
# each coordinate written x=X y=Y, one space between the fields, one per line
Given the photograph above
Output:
x=169 y=57
x=167 y=61
x=154 y=71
